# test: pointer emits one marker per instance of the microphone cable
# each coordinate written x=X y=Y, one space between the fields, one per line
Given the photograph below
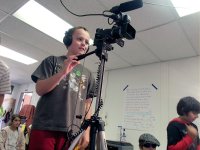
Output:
x=61 y=1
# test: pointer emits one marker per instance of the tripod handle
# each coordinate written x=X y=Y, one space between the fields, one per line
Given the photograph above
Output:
x=85 y=55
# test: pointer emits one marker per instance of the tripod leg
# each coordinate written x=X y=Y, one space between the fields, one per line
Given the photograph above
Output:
x=93 y=131
x=97 y=127
x=101 y=141
x=75 y=141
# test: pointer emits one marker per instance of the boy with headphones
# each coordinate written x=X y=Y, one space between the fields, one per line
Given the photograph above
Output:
x=182 y=134
x=66 y=88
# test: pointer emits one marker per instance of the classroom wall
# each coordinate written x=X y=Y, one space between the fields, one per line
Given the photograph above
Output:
x=173 y=80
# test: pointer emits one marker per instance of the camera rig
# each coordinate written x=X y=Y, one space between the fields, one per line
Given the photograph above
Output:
x=103 y=40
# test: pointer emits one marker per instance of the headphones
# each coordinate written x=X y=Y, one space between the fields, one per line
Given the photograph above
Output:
x=67 y=40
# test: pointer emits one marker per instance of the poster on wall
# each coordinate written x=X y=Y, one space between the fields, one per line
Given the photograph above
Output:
x=139 y=108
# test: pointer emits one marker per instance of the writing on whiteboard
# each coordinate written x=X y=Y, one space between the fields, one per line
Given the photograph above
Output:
x=138 y=107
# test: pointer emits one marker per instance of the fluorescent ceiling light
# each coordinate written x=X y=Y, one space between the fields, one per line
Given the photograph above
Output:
x=11 y=54
x=186 y=7
x=44 y=20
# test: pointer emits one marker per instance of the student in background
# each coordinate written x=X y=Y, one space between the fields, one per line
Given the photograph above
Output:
x=11 y=137
x=182 y=134
x=5 y=85
x=66 y=88
x=148 y=142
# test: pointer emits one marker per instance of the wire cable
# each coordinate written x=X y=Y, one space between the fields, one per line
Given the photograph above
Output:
x=61 y=1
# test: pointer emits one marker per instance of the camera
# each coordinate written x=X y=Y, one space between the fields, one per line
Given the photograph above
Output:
x=121 y=29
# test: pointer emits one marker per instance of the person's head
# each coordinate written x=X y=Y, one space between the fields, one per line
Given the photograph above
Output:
x=77 y=40
x=188 y=108
x=148 y=142
x=15 y=121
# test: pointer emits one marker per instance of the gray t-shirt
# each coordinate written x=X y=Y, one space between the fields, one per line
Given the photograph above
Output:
x=57 y=110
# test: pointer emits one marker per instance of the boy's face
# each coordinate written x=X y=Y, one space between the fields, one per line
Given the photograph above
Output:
x=191 y=116
x=148 y=146
x=80 y=42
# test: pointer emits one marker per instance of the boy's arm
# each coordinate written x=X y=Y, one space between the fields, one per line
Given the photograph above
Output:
x=182 y=144
x=173 y=140
x=44 y=86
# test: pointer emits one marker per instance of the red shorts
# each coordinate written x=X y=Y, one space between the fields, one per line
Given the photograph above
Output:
x=47 y=140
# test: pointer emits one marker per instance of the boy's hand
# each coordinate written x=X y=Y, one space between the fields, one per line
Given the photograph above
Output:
x=69 y=64
x=192 y=131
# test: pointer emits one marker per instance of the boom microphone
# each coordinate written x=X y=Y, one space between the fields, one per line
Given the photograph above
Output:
x=127 y=6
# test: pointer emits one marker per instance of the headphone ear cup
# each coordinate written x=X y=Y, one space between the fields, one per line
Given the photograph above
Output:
x=67 y=40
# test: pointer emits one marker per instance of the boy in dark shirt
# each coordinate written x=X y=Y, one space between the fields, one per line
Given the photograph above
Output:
x=66 y=89
x=182 y=134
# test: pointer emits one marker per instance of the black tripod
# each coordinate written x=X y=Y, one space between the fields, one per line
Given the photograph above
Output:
x=96 y=123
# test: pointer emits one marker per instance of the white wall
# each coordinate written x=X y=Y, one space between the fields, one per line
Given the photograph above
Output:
x=174 y=79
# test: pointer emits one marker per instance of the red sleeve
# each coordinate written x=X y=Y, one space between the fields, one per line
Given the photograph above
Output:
x=198 y=147
x=183 y=144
